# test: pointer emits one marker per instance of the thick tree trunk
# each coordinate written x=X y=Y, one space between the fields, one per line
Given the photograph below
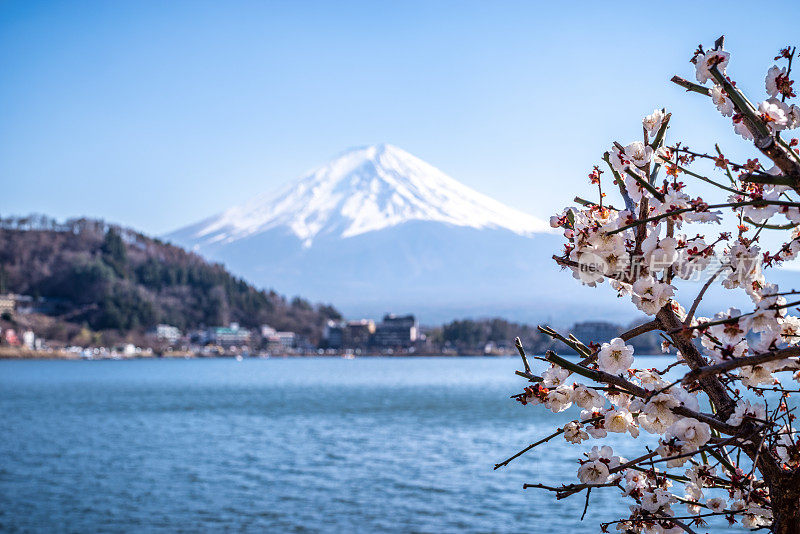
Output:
x=692 y=356
x=785 y=498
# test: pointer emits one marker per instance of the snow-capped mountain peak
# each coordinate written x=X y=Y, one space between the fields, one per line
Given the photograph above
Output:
x=363 y=190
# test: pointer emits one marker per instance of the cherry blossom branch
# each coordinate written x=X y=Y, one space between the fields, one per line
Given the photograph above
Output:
x=768 y=144
x=735 y=363
x=736 y=166
x=709 y=180
x=766 y=487
x=705 y=324
x=766 y=179
x=788 y=226
x=756 y=202
x=586 y=504
x=637 y=391
x=562 y=492
x=575 y=344
x=661 y=133
x=712 y=447
x=584 y=202
x=743 y=106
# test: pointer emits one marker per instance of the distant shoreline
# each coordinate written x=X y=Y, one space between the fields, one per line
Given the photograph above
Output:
x=16 y=353
x=21 y=354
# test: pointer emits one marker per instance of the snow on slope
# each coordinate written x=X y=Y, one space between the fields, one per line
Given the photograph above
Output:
x=364 y=190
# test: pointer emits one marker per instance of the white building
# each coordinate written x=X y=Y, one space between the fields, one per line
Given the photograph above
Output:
x=168 y=333
x=28 y=339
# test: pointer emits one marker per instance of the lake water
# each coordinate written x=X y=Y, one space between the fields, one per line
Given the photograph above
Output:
x=294 y=445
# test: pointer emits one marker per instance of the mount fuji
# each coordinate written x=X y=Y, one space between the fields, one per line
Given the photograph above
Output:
x=377 y=230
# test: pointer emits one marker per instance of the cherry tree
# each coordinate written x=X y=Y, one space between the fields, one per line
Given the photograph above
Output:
x=726 y=449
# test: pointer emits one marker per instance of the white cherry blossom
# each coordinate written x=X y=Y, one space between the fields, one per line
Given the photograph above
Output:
x=574 y=433
x=716 y=504
x=554 y=376
x=615 y=357
x=771 y=80
x=653 y=121
x=559 y=399
x=587 y=398
x=704 y=62
x=721 y=100
x=638 y=153
x=690 y=431
x=593 y=472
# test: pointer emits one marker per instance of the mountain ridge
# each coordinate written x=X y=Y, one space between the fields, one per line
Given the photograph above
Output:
x=378 y=230
x=363 y=189
x=435 y=248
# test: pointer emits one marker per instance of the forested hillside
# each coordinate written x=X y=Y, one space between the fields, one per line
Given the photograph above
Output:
x=466 y=335
x=110 y=278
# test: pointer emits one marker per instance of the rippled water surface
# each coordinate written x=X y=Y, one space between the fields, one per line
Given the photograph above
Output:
x=298 y=445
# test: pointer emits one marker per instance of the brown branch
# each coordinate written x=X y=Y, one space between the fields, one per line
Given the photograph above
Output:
x=638 y=391
x=690 y=86
x=691 y=355
x=575 y=344
x=518 y=344
x=735 y=363
x=765 y=179
x=639 y=330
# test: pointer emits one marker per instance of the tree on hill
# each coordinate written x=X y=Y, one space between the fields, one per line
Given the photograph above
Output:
x=114 y=252
x=111 y=278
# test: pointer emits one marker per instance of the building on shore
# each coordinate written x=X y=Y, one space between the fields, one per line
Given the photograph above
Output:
x=396 y=331
x=358 y=334
x=29 y=339
x=349 y=334
x=284 y=341
x=267 y=331
x=334 y=334
x=165 y=333
x=10 y=302
x=277 y=341
x=227 y=336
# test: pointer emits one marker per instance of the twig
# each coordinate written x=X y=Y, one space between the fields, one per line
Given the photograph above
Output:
x=690 y=86
x=586 y=504
x=543 y=440
x=518 y=344
x=699 y=298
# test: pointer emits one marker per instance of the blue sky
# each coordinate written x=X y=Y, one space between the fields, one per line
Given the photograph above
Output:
x=156 y=114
